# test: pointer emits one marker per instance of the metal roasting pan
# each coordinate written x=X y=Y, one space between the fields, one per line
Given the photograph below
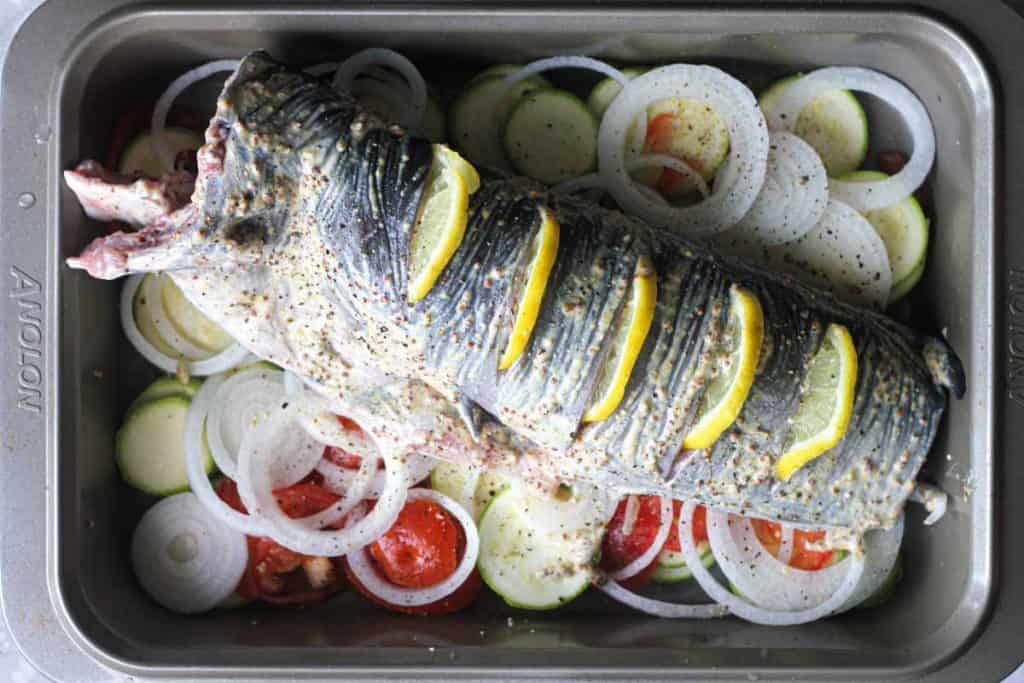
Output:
x=68 y=592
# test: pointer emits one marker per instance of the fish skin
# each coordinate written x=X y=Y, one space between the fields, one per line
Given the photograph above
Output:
x=296 y=243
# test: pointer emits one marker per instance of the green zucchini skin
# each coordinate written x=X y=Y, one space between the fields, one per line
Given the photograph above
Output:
x=360 y=183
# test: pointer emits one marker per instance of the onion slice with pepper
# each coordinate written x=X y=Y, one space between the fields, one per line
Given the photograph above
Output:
x=865 y=196
x=738 y=181
x=745 y=609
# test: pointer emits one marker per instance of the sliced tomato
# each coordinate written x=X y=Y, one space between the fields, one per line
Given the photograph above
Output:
x=422 y=548
x=660 y=132
x=461 y=598
x=276 y=574
x=770 y=535
x=700 y=526
x=618 y=548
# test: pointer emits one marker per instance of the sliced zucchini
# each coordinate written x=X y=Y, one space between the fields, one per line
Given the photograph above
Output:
x=140 y=155
x=600 y=98
x=551 y=136
x=166 y=386
x=187 y=320
x=687 y=129
x=672 y=567
x=141 y=309
x=151 y=449
x=903 y=228
x=478 y=115
x=458 y=482
x=833 y=123
x=535 y=552
x=490 y=484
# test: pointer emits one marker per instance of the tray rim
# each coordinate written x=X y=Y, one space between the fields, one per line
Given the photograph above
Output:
x=104 y=22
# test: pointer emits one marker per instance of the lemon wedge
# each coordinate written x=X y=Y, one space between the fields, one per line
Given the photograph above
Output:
x=826 y=402
x=543 y=250
x=630 y=334
x=441 y=222
x=724 y=397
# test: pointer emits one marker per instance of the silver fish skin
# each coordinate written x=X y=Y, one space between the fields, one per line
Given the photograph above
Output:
x=296 y=241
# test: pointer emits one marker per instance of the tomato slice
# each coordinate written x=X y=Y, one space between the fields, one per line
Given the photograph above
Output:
x=770 y=535
x=660 y=131
x=276 y=574
x=461 y=598
x=618 y=548
x=699 y=522
x=422 y=548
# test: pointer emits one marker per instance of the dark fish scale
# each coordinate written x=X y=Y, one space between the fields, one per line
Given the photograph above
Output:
x=668 y=364
x=556 y=372
x=497 y=238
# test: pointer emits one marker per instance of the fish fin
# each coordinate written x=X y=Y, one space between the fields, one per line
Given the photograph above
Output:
x=471 y=415
x=945 y=367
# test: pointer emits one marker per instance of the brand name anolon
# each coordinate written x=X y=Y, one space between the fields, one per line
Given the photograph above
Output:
x=27 y=292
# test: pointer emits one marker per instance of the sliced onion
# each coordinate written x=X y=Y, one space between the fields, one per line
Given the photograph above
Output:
x=256 y=489
x=185 y=558
x=762 y=578
x=230 y=357
x=843 y=254
x=631 y=512
x=744 y=609
x=934 y=500
x=195 y=460
x=362 y=566
x=158 y=125
x=590 y=181
x=737 y=182
x=355 y=492
x=565 y=62
x=358 y=63
x=339 y=480
x=242 y=401
x=668 y=161
x=794 y=195
x=649 y=555
x=878 y=194
x=326 y=428
x=152 y=290
x=785 y=544
x=660 y=608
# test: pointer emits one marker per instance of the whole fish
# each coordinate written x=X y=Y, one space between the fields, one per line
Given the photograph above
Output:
x=297 y=240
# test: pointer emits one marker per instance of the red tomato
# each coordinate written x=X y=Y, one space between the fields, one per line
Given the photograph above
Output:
x=618 y=549
x=136 y=120
x=699 y=522
x=660 y=131
x=422 y=548
x=770 y=535
x=340 y=457
x=274 y=573
x=462 y=597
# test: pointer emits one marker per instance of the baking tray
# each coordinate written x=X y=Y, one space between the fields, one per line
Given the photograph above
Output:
x=67 y=589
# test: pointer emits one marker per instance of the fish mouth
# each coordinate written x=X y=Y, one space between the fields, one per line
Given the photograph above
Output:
x=161 y=245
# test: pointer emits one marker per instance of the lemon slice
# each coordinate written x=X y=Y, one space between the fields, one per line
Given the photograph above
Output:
x=442 y=218
x=629 y=337
x=543 y=250
x=724 y=397
x=826 y=402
